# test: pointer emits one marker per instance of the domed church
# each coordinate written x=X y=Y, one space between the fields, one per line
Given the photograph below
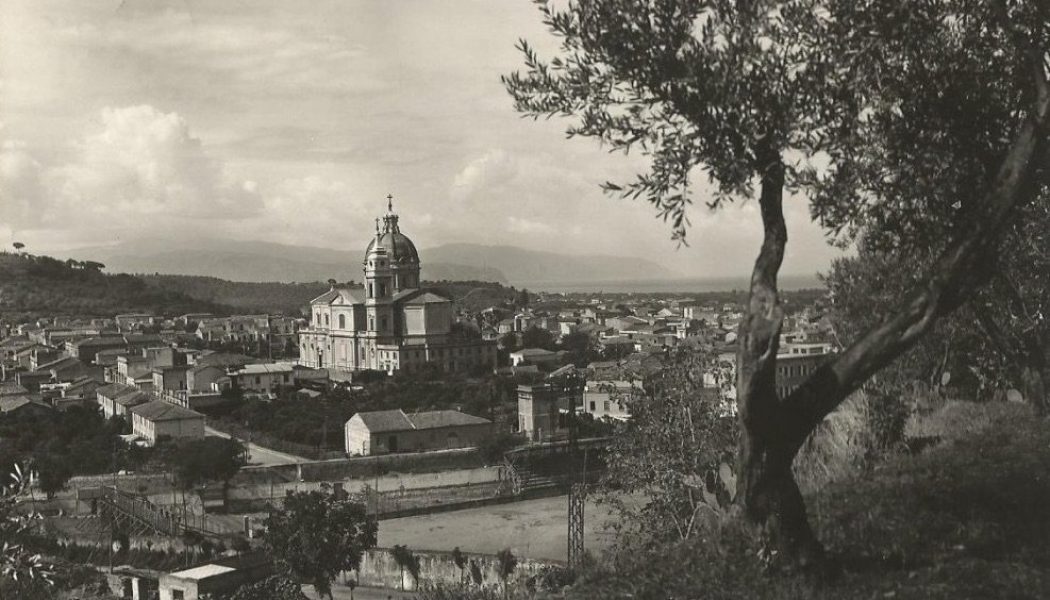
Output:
x=391 y=323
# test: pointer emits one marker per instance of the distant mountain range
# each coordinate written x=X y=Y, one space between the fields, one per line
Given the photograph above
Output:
x=266 y=261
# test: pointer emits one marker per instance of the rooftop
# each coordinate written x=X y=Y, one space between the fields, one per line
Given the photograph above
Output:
x=396 y=420
x=158 y=410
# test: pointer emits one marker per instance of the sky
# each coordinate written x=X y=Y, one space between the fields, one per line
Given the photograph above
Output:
x=292 y=121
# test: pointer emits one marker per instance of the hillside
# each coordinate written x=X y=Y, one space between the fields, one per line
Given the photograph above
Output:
x=34 y=286
x=966 y=519
x=290 y=298
x=258 y=261
x=522 y=266
x=265 y=261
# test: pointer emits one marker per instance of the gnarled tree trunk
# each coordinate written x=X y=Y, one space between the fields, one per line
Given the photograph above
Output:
x=774 y=428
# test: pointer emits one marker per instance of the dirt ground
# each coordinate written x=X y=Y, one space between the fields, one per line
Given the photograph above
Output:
x=533 y=528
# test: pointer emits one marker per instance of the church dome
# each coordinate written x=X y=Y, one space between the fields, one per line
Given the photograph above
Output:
x=398 y=247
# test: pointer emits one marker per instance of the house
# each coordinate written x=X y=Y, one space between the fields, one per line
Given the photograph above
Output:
x=87 y=349
x=216 y=579
x=609 y=399
x=535 y=356
x=11 y=388
x=23 y=405
x=263 y=378
x=389 y=431
x=157 y=420
x=116 y=399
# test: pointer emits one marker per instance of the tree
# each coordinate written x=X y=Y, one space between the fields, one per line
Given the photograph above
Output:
x=206 y=459
x=275 y=587
x=536 y=337
x=406 y=560
x=507 y=562
x=998 y=340
x=672 y=451
x=886 y=115
x=19 y=567
x=317 y=536
x=52 y=474
x=18 y=246
x=460 y=560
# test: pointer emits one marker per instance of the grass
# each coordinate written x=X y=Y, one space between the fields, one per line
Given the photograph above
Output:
x=968 y=518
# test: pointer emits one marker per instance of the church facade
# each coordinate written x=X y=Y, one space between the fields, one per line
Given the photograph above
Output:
x=390 y=323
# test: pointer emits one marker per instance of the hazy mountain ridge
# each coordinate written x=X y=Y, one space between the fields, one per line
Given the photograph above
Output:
x=521 y=265
x=256 y=261
x=267 y=261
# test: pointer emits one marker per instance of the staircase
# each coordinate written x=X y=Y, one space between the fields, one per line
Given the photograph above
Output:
x=144 y=516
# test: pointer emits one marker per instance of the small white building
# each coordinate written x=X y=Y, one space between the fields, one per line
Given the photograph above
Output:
x=610 y=399
x=158 y=420
x=389 y=431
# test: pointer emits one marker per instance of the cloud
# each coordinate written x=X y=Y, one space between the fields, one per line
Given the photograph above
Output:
x=141 y=163
x=519 y=225
x=21 y=186
x=493 y=168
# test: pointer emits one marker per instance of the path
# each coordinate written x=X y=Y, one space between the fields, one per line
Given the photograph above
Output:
x=341 y=592
x=259 y=455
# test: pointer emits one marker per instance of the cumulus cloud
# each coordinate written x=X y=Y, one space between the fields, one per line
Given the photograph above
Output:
x=493 y=168
x=140 y=163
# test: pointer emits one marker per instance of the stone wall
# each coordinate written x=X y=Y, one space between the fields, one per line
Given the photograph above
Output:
x=379 y=569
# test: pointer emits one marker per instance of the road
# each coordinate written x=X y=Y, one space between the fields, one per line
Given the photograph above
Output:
x=258 y=455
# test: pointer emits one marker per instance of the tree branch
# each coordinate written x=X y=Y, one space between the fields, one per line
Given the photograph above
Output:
x=942 y=293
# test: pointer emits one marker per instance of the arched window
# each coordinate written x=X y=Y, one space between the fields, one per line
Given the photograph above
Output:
x=342 y=321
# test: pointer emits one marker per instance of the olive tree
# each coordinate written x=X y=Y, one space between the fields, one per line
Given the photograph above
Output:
x=880 y=113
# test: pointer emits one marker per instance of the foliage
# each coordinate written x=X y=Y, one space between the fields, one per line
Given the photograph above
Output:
x=663 y=476
x=209 y=459
x=493 y=446
x=275 y=587
x=318 y=536
x=405 y=559
x=506 y=563
x=537 y=337
x=305 y=421
x=52 y=475
x=19 y=567
x=884 y=117
x=962 y=520
x=36 y=286
x=78 y=441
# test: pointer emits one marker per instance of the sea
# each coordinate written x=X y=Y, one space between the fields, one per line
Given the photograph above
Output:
x=669 y=286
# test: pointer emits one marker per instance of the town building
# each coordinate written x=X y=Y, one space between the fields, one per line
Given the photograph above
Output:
x=535 y=356
x=610 y=399
x=158 y=420
x=390 y=431
x=390 y=323
x=117 y=399
x=265 y=379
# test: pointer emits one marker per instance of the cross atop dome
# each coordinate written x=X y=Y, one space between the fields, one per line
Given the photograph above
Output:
x=390 y=203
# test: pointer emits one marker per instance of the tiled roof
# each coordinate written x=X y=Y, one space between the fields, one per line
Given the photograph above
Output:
x=426 y=298
x=10 y=388
x=444 y=418
x=260 y=369
x=382 y=421
x=355 y=295
x=10 y=403
x=158 y=410
x=385 y=420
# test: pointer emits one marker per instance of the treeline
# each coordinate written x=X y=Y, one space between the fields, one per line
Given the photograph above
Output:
x=245 y=296
x=35 y=286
